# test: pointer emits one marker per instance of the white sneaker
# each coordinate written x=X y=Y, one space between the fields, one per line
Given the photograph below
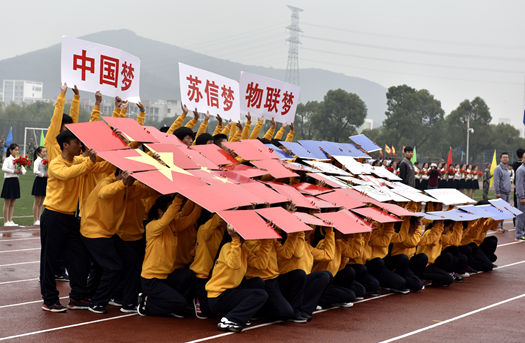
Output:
x=9 y=224
x=36 y=223
x=14 y=224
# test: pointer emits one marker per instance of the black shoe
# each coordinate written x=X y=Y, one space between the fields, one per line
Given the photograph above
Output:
x=115 y=302
x=57 y=308
x=199 y=313
x=80 y=304
x=98 y=309
x=457 y=277
x=141 y=307
x=129 y=308
x=299 y=318
x=398 y=291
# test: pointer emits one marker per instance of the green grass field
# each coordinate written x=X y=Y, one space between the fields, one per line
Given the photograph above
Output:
x=23 y=214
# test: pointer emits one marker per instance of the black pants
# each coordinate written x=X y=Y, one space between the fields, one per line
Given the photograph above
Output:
x=386 y=277
x=401 y=265
x=170 y=295
x=276 y=307
x=105 y=254
x=478 y=257
x=488 y=247
x=241 y=303
x=362 y=276
x=58 y=233
x=316 y=283
x=292 y=286
x=336 y=294
x=460 y=260
x=346 y=277
x=132 y=255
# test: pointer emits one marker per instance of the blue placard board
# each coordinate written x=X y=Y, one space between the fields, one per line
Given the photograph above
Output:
x=365 y=143
x=299 y=150
x=281 y=153
x=314 y=148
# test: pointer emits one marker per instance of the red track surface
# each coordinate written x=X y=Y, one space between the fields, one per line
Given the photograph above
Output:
x=486 y=307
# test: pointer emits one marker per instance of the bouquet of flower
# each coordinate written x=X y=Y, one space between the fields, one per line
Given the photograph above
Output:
x=45 y=162
x=480 y=173
x=22 y=161
x=422 y=172
x=463 y=171
x=390 y=169
x=451 y=171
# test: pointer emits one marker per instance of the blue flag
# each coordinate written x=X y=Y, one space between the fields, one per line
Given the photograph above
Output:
x=9 y=139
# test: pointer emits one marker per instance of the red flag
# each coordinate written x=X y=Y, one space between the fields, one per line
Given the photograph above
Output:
x=449 y=159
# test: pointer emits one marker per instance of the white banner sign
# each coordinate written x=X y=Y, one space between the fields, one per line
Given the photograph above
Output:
x=94 y=67
x=208 y=91
x=262 y=96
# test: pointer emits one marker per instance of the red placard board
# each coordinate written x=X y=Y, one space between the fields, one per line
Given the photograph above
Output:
x=97 y=135
x=310 y=219
x=233 y=176
x=341 y=198
x=168 y=182
x=310 y=189
x=199 y=159
x=376 y=214
x=163 y=137
x=251 y=151
x=283 y=219
x=131 y=129
x=345 y=222
x=274 y=168
x=173 y=156
x=211 y=177
x=245 y=170
x=248 y=224
x=263 y=192
x=357 y=195
x=320 y=203
x=131 y=160
x=221 y=197
x=215 y=154
x=292 y=194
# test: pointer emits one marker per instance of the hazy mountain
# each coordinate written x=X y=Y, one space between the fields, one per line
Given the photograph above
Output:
x=159 y=74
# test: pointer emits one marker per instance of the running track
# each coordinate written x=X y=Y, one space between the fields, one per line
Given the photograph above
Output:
x=486 y=307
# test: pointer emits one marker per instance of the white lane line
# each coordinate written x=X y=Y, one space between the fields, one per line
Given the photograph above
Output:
x=16 y=281
x=18 y=263
x=19 y=250
x=26 y=303
x=67 y=326
x=16 y=239
x=408 y=334
x=510 y=265
x=505 y=244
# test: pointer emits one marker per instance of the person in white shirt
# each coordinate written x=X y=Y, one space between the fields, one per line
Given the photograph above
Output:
x=11 y=187
x=40 y=183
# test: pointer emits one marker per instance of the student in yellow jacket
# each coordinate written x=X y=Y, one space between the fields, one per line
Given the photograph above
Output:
x=402 y=259
x=478 y=247
x=230 y=295
x=165 y=289
x=379 y=241
x=303 y=258
x=60 y=229
x=335 y=294
x=131 y=245
x=209 y=238
x=439 y=265
x=264 y=265
x=102 y=216
x=358 y=244
x=59 y=120
x=450 y=243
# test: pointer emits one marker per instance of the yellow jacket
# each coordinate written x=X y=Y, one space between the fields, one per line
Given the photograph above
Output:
x=430 y=243
x=50 y=141
x=380 y=240
x=95 y=113
x=256 y=129
x=246 y=130
x=104 y=209
x=89 y=180
x=407 y=239
x=452 y=237
x=487 y=224
x=269 y=134
x=64 y=183
x=230 y=268
x=263 y=259
x=186 y=234
x=131 y=228
x=209 y=237
x=471 y=231
x=341 y=256
x=304 y=254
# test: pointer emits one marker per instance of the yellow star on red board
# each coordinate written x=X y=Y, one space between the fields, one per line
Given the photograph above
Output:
x=166 y=157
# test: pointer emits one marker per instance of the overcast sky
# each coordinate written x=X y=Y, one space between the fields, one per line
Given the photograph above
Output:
x=455 y=49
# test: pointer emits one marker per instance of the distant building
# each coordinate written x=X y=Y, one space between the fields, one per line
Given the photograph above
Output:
x=20 y=91
x=368 y=124
x=504 y=121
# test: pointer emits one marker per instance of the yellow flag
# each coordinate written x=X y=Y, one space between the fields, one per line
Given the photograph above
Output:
x=493 y=166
